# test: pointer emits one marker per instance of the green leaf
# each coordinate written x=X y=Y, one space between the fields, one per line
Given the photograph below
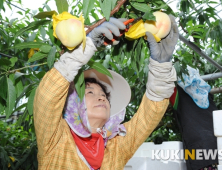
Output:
x=32 y=26
x=137 y=0
x=26 y=90
x=3 y=33
x=11 y=77
x=13 y=61
x=19 y=108
x=87 y=21
x=48 y=14
x=37 y=56
x=47 y=7
x=80 y=84
x=132 y=15
x=206 y=18
x=51 y=56
x=113 y=4
x=28 y=45
x=134 y=66
x=1 y=4
x=201 y=19
x=212 y=2
x=5 y=62
x=138 y=50
x=18 y=74
x=22 y=117
x=12 y=21
x=11 y=97
x=106 y=8
x=2 y=108
x=62 y=5
x=43 y=32
x=52 y=38
x=197 y=36
x=220 y=24
x=45 y=49
x=87 y=7
x=39 y=75
x=19 y=12
x=80 y=78
x=82 y=91
x=123 y=15
x=114 y=66
x=32 y=37
x=106 y=61
x=144 y=53
x=177 y=67
x=140 y=6
x=99 y=67
x=185 y=6
x=95 y=16
x=19 y=88
x=30 y=101
x=3 y=89
x=149 y=15
x=116 y=53
x=27 y=11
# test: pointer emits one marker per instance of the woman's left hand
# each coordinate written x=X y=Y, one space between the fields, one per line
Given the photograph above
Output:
x=163 y=50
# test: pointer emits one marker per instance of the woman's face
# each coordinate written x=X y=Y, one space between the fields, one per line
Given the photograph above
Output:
x=98 y=107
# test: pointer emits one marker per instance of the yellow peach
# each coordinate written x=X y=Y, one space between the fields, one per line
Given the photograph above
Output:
x=161 y=27
x=70 y=32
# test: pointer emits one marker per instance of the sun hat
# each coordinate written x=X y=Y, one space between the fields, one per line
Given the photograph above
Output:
x=75 y=112
x=117 y=86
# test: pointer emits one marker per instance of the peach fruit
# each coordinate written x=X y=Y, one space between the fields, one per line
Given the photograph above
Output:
x=70 y=32
x=161 y=27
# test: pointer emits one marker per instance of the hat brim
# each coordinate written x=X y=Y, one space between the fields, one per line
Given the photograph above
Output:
x=120 y=92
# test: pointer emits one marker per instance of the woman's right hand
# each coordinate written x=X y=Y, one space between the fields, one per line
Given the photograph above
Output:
x=106 y=30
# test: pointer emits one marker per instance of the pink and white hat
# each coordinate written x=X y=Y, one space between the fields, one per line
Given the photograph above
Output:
x=75 y=112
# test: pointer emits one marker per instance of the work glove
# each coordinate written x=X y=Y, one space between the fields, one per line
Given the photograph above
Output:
x=162 y=74
x=163 y=51
x=70 y=62
x=106 y=30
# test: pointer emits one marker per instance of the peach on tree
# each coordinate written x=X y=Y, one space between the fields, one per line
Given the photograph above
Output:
x=69 y=30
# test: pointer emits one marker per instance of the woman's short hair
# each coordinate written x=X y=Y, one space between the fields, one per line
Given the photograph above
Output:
x=104 y=88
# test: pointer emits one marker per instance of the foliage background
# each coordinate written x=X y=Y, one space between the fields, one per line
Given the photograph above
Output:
x=28 y=50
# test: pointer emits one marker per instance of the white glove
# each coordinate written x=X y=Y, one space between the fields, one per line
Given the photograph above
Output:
x=106 y=29
x=163 y=50
x=161 y=79
x=70 y=62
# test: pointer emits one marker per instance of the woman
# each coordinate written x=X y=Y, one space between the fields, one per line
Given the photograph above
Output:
x=90 y=135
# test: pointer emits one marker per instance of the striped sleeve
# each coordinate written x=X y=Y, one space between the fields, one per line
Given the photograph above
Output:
x=49 y=101
x=142 y=125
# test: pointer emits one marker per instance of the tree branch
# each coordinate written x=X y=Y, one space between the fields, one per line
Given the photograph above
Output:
x=6 y=55
x=183 y=27
x=86 y=26
x=31 y=66
x=116 y=9
x=216 y=90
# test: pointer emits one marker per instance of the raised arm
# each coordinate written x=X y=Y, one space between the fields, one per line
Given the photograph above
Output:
x=142 y=124
x=152 y=107
x=51 y=96
x=159 y=88
x=52 y=91
x=48 y=105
